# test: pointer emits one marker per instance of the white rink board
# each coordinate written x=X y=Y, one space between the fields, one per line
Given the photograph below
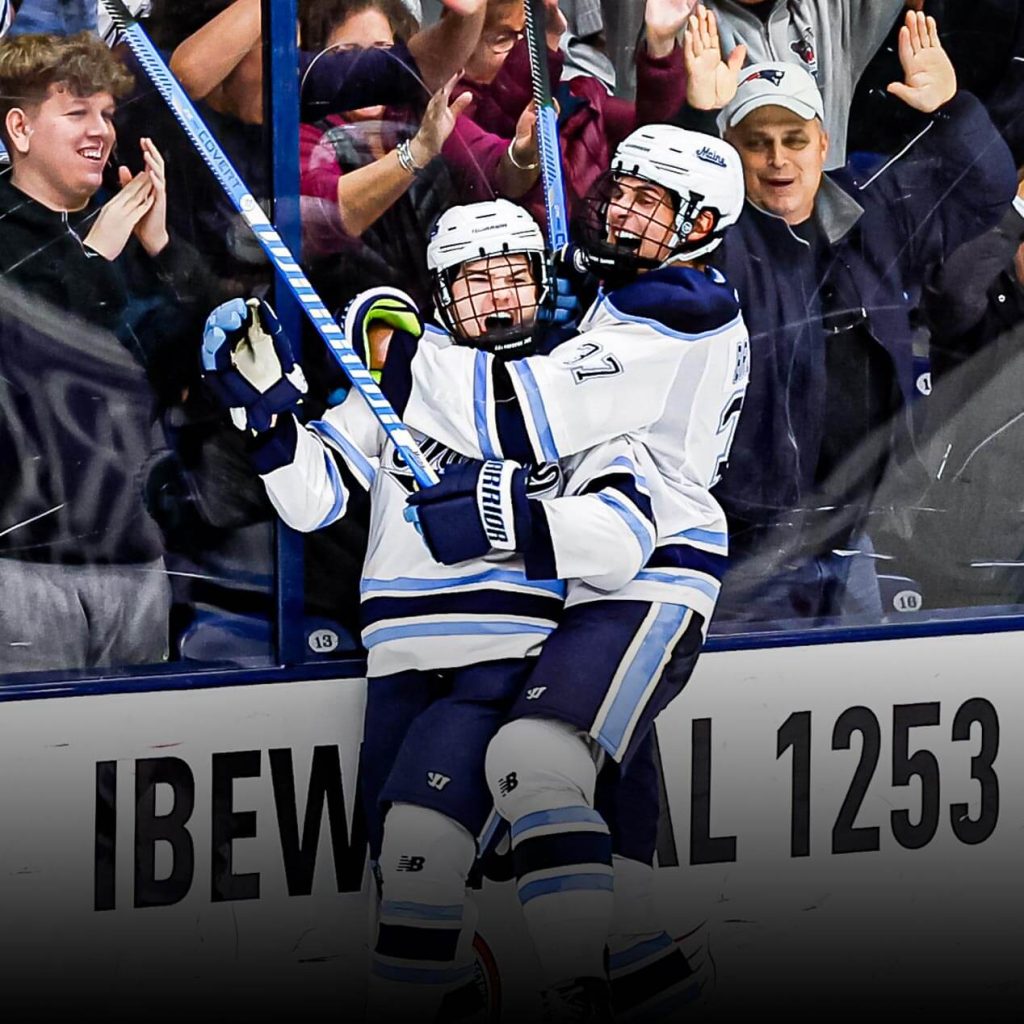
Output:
x=887 y=920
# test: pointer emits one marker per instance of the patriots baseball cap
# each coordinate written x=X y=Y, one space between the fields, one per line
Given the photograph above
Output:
x=773 y=84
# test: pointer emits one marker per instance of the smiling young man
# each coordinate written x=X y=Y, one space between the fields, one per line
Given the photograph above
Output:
x=78 y=546
x=57 y=121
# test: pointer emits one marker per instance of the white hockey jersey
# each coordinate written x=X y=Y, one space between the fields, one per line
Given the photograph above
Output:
x=665 y=360
x=419 y=614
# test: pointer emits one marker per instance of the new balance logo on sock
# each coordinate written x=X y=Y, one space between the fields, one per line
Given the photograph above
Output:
x=534 y=692
x=507 y=784
x=435 y=780
x=411 y=863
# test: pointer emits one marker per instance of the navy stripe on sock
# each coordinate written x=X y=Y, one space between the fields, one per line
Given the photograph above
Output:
x=465 y=602
x=556 y=851
x=642 y=985
x=406 y=942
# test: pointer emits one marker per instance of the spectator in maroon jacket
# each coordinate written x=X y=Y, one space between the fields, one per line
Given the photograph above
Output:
x=591 y=122
x=376 y=168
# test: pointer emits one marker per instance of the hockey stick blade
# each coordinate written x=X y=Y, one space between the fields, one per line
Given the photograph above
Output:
x=551 y=173
x=277 y=252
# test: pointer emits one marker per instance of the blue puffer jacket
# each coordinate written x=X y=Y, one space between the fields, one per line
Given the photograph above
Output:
x=875 y=244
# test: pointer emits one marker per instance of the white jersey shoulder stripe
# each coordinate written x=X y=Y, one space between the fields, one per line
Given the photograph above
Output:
x=660 y=328
x=382 y=633
x=360 y=465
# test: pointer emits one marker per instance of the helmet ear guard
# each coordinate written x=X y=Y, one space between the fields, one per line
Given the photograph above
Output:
x=485 y=231
x=699 y=172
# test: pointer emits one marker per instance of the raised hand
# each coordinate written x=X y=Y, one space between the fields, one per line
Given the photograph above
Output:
x=664 y=20
x=120 y=217
x=710 y=82
x=247 y=364
x=466 y=8
x=554 y=24
x=151 y=230
x=929 y=78
x=438 y=122
x=524 y=145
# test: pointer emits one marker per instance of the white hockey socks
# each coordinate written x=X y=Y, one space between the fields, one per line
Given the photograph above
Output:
x=651 y=977
x=542 y=776
x=418 y=957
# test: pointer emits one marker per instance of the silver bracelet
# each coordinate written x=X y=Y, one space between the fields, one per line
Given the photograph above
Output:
x=405 y=158
x=516 y=164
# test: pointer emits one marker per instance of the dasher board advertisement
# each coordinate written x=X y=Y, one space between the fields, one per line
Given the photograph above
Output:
x=843 y=830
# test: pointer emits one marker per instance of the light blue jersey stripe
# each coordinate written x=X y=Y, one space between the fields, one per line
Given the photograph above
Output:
x=641 y=951
x=704 y=537
x=633 y=521
x=481 y=381
x=537 y=411
x=338 y=488
x=681 y=579
x=422 y=975
x=374 y=637
x=626 y=464
x=567 y=883
x=421 y=911
x=658 y=326
x=494 y=576
x=558 y=816
x=645 y=665
x=359 y=461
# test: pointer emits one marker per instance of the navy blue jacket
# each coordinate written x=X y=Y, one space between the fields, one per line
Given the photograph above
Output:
x=874 y=244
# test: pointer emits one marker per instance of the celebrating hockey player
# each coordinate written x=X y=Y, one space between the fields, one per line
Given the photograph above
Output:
x=663 y=354
x=449 y=649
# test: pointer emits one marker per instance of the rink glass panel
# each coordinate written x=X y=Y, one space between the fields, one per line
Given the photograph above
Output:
x=110 y=445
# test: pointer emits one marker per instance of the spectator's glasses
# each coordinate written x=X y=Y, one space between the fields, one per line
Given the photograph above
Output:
x=500 y=42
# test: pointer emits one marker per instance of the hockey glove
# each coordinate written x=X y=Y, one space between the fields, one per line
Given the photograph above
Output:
x=570 y=279
x=479 y=507
x=372 y=316
x=248 y=363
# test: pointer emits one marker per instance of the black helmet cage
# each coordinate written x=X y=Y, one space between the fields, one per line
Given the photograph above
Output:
x=618 y=263
x=506 y=342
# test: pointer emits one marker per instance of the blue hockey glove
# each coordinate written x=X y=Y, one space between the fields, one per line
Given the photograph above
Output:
x=370 y=314
x=480 y=507
x=570 y=276
x=248 y=365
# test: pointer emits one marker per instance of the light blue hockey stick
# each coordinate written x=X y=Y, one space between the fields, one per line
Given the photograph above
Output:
x=277 y=252
x=550 y=153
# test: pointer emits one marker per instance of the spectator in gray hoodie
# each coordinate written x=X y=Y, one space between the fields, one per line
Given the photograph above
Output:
x=832 y=39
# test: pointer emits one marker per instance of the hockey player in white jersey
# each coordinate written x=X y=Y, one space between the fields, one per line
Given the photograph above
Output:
x=449 y=648
x=662 y=353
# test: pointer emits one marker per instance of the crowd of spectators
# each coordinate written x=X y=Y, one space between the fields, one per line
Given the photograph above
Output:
x=879 y=263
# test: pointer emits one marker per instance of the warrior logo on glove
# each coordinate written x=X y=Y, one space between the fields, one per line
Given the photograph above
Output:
x=247 y=364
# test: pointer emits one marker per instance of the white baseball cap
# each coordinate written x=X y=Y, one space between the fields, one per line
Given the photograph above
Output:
x=773 y=84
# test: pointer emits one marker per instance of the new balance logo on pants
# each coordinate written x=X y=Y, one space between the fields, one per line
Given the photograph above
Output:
x=411 y=863
x=507 y=784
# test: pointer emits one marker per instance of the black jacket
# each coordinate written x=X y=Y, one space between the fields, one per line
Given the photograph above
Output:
x=873 y=245
x=78 y=335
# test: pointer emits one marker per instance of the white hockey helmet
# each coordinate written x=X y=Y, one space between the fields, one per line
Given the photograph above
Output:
x=478 y=231
x=700 y=171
